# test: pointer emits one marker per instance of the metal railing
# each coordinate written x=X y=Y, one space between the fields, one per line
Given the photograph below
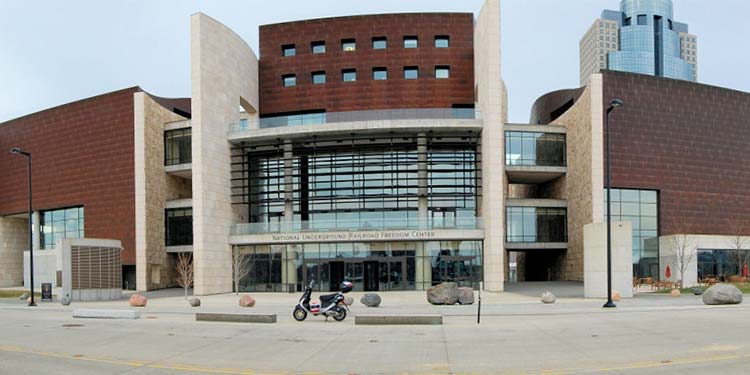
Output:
x=355 y=116
x=465 y=223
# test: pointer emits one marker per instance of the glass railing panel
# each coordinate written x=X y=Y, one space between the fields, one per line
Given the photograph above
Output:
x=466 y=223
x=536 y=224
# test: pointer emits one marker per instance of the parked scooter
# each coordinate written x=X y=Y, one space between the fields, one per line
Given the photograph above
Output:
x=330 y=305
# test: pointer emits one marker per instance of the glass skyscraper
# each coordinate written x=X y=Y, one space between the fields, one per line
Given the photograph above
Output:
x=642 y=37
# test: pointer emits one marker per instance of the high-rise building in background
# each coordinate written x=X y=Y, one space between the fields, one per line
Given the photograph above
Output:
x=642 y=37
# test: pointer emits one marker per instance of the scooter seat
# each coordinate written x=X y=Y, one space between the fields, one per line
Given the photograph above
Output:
x=327 y=299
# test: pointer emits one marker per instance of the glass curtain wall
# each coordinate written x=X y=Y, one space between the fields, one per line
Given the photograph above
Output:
x=640 y=207
x=722 y=264
x=536 y=224
x=58 y=224
x=383 y=266
x=535 y=149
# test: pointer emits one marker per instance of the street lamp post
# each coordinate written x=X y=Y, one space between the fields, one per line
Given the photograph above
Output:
x=18 y=151
x=612 y=105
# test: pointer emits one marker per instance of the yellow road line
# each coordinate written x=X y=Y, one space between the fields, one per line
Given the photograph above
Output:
x=233 y=371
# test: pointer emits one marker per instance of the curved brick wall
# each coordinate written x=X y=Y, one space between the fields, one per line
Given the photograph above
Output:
x=553 y=103
x=366 y=94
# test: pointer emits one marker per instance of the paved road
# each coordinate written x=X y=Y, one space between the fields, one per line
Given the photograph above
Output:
x=658 y=341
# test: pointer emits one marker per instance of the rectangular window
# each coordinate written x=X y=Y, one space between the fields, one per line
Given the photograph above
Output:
x=411 y=42
x=318 y=47
x=318 y=78
x=442 y=41
x=379 y=43
x=288 y=50
x=348 y=45
x=442 y=72
x=642 y=19
x=379 y=74
x=289 y=80
x=641 y=209
x=59 y=224
x=177 y=146
x=411 y=72
x=178 y=226
x=349 y=75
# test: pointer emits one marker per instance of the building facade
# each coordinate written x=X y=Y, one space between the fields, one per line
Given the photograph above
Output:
x=642 y=37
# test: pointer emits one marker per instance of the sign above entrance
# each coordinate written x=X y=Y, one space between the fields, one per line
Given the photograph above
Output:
x=356 y=236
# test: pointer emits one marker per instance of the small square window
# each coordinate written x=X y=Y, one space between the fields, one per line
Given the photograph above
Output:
x=442 y=41
x=348 y=45
x=411 y=42
x=349 y=75
x=318 y=78
x=411 y=72
x=626 y=22
x=379 y=74
x=442 y=72
x=318 y=47
x=642 y=19
x=379 y=43
x=289 y=80
x=288 y=50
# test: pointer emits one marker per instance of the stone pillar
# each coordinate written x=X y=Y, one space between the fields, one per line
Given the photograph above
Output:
x=288 y=185
x=289 y=268
x=422 y=179
x=423 y=277
x=595 y=259
x=14 y=240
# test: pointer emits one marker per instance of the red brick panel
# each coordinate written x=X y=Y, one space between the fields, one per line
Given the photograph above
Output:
x=690 y=142
x=366 y=94
x=83 y=156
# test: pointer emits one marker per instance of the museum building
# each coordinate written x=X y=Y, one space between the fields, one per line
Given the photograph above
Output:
x=374 y=149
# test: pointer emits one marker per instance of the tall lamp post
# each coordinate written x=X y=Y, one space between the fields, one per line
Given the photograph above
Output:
x=612 y=105
x=18 y=151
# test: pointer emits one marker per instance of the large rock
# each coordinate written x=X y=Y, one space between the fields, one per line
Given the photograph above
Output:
x=24 y=296
x=348 y=301
x=676 y=293
x=443 y=294
x=65 y=300
x=137 y=300
x=697 y=290
x=247 y=301
x=371 y=300
x=465 y=296
x=195 y=302
x=548 y=297
x=616 y=296
x=722 y=294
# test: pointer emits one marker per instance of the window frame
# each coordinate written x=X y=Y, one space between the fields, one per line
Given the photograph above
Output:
x=380 y=39
x=411 y=68
x=284 y=78
x=351 y=41
x=320 y=43
x=446 y=68
x=318 y=74
x=288 y=47
x=379 y=69
x=409 y=38
x=344 y=72
x=439 y=38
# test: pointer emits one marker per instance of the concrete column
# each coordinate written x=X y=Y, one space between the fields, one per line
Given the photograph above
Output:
x=288 y=183
x=422 y=180
x=423 y=277
x=595 y=259
x=289 y=269
x=36 y=233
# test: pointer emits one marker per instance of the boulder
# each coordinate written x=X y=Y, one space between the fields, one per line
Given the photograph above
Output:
x=548 y=297
x=24 y=296
x=697 y=290
x=676 y=293
x=348 y=301
x=371 y=300
x=616 y=296
x=443 y=294
x=247 y=301
x=195 y=302
x=65 y=300
x=465 y=296
x=722 y=294
x=137 y=300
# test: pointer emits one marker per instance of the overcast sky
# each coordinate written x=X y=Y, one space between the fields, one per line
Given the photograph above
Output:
x=54 y=52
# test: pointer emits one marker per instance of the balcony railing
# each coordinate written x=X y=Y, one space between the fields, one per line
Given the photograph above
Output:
x=465 y=223
x=354 y=116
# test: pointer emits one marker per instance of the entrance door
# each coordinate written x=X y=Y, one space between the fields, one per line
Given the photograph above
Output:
x=337 y=275
x=372 y=276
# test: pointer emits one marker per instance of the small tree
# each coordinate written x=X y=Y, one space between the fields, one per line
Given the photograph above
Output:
x=739 y=248
x=241 y=267
x=684 y=252
x=185 y=271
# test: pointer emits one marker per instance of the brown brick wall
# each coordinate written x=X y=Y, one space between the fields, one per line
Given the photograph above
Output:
x=366 y=94
x=690 y=142
x=83 y=155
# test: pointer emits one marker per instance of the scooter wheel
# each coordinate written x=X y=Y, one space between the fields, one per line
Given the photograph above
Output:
x=341 y=315
x=299 y=314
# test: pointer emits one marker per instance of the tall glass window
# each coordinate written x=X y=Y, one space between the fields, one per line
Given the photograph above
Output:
x=58 y=224
x=536 y=224
x=535 y=149
x=179 y=226
x=178 y=147
x=640 y=207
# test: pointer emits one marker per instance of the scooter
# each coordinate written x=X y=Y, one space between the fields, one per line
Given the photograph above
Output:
x=330 y=305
